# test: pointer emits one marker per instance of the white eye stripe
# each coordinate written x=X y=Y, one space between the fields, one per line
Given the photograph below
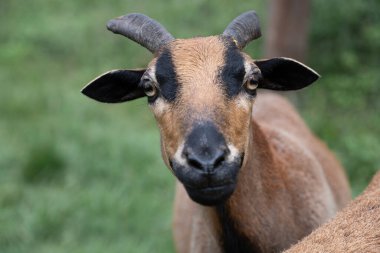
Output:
x=152 y=72
x=251 y=72
x=247 y=67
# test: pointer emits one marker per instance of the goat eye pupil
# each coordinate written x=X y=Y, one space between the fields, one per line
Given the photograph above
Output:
x=149 y=89
x=252 y=84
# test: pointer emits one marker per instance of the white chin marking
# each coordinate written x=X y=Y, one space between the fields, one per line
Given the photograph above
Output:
x=178 y=158
x=234 y=153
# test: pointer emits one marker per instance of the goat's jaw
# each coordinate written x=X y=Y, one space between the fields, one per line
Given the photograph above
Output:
x=211 y=196
x=208 y=189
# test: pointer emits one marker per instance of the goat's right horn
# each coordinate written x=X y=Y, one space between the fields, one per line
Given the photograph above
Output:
x=141 y=29
x=244 y=29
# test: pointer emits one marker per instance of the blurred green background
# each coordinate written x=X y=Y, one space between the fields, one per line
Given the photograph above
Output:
x=79 y=176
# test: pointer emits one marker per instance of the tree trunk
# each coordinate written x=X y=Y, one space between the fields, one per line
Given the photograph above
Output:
x=288 y=29
x=287 y=32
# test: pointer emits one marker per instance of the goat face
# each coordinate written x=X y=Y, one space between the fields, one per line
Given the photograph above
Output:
x=202 y=103
x=201 y=92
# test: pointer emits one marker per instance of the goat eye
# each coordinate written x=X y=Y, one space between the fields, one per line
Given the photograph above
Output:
x=149 y=88
x=251 y=86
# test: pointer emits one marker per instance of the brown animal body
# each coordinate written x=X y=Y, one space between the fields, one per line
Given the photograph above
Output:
x=291 y=186
x=251 y=176
x=354 y=229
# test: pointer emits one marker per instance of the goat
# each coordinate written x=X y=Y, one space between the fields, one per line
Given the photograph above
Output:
x=248 y=180
x=354 y=229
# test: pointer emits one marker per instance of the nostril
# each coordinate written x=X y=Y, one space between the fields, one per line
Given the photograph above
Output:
x=193 y=161
x=205 y=160
x=219 y=158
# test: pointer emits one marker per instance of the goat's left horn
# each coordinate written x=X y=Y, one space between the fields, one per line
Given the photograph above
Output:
x=244 y=29
x=141 y=29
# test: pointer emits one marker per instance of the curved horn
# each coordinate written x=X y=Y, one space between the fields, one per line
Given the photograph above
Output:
x=141 y=29
x=244 y=29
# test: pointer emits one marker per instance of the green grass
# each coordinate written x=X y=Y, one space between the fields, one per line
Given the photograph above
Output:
x=78 y=176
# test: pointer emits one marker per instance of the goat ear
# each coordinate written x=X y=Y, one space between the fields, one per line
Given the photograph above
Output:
x=285 y=74
x=115 y=86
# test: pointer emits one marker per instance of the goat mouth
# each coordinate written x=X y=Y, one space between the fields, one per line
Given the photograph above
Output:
x=211 y=195
x=207 y=188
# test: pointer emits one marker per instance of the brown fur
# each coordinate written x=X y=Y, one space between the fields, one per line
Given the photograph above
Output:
x=355 y=229
x=282 y=187
x=201 y=95
x=289 y=182
x=194 y=101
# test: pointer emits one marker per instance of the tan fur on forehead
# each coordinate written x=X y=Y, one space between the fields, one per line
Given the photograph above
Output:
x=197 y=63
x=195 y=51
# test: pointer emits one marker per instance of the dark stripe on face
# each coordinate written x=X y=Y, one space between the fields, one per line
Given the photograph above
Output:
x=233 y=72
x=166 y=75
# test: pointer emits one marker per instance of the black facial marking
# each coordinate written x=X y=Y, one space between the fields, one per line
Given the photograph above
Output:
x=166 y=75
x=232 y=240
x=232 y=74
